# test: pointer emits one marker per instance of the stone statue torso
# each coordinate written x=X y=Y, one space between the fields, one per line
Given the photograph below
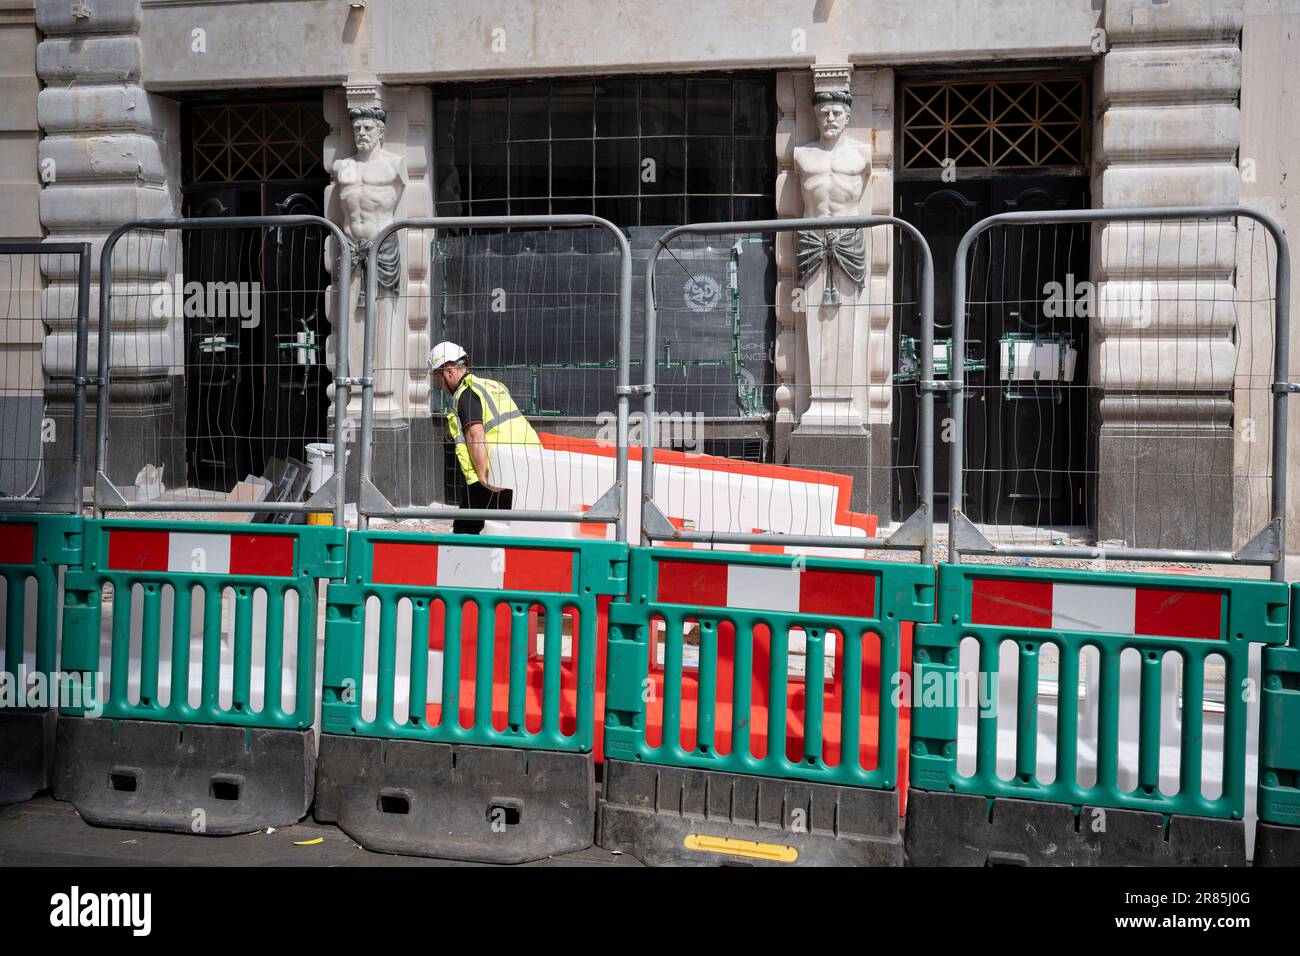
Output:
x=369 y=190
x=833 y=180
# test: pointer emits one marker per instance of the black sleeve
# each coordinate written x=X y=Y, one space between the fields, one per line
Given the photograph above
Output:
x=469 y=409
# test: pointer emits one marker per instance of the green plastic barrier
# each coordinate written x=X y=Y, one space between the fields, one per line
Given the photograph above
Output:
x=1279 y=728
x=32 y=548
x=448 y=578
x=35 y=546
x=213 y=557
x=1192 y=616
x=724 y=596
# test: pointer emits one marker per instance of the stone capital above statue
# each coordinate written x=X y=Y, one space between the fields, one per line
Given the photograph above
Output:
x=833 y=171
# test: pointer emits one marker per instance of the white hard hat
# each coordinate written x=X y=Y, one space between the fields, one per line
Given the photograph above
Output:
x=445 y=353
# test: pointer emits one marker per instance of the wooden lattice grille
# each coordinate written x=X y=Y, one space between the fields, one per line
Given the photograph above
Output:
x=256 y=142
x=1002 y=124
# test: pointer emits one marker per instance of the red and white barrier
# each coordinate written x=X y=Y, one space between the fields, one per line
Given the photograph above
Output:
x=1157 y=612
x=187 y=552
x=459 y=566
x=768 y=588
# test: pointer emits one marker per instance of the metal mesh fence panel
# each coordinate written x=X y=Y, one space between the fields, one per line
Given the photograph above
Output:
x=790 y=366
x=213 y=336
x=1118 y=386
x=44 y=290
x=538 y=305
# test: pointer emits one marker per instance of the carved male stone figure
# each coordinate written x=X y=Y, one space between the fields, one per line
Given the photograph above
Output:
x=370 y=186
x=833 y=172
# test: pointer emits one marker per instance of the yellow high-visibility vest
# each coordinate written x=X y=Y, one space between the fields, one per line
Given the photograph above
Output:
x=503 y=422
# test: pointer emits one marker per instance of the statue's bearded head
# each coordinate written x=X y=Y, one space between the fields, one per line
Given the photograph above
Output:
x=367 y=127
x=833 y=111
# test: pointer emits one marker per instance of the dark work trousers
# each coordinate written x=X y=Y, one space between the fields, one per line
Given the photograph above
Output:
x=476 y=496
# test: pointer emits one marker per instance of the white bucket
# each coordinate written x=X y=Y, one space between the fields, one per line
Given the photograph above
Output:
x=320 y=458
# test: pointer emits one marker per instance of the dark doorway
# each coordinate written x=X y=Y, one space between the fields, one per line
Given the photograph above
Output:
x=255 y=386
x=1025 y=444
x=971 y=147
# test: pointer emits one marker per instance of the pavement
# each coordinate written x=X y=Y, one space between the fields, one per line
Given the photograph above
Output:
x=46 y=832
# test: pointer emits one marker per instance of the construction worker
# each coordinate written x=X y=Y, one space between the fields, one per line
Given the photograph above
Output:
x=482 y=415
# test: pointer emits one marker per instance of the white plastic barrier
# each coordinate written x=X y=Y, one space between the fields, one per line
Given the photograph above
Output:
x=695 y=492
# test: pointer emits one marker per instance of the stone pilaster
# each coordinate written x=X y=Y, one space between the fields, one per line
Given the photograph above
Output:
x=870 y=360
x=787 y=358
x=109 y=155
x=21 y=373
x=1166 y=135
x=403 y=443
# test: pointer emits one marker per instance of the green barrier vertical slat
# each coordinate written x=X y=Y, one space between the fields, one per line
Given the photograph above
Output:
x=305 y=693
x=585 y=725
x=1027 y=711
x=343 y=658
x=743 y=682
x=1193 y=729
x=887 y=752
x=887 y=749
x=986 y=725
x=1149 y=722
x=553 y=666
x=182 y=612
x=82 y=616
x=484 y=665
x=47 y=620
x=1234 y=728
x=814 y=698
x=385 y=690
x=241 y=699
x=707 y=700
x=1108 y=721
x=778 y=689
x=674 y=638
x=851 y=710
x=516 y=692
x=418 y=695
x=120 y=654
x=1067 y=716
x=15 y=613
x=212 y=600
x=273 y=651
x=451 y=638
x=150 y=638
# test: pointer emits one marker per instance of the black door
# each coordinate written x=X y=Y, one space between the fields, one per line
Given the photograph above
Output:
x=291 y=393
x=255 y=379
x=218 y=351
x=1025 y=442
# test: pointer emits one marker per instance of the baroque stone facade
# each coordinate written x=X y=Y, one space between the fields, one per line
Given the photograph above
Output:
x=112 y=151
x=1175 y=118
x=1167 y=135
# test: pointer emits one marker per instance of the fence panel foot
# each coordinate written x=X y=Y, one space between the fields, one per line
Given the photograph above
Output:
x=155 y=775
x=1276 y=845
x=672 y=816
x=956 y=829
x=26 y=753
x=459 y=802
